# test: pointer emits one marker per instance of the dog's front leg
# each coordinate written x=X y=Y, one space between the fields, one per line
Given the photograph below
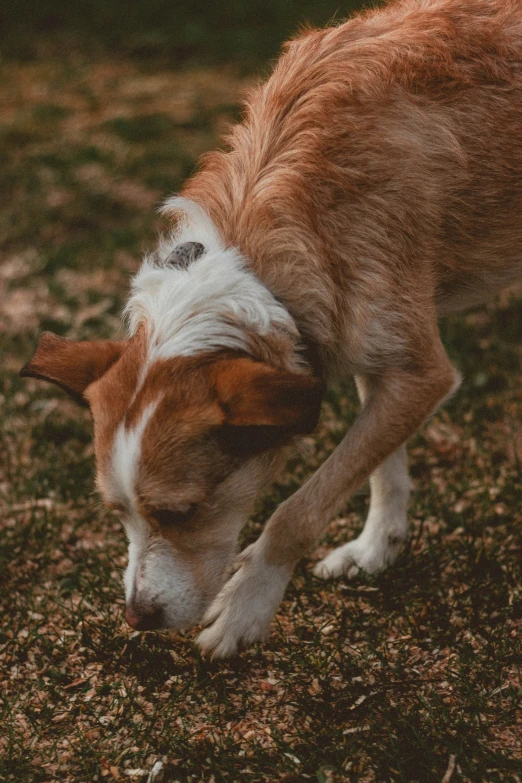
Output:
x=398 y=403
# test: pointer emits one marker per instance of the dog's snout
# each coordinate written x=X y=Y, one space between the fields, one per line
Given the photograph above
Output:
x=147 y=618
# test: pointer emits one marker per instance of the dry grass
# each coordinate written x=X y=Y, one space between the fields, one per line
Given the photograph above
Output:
x=413 y=675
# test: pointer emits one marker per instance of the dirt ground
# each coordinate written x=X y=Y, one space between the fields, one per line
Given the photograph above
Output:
x=411 y=675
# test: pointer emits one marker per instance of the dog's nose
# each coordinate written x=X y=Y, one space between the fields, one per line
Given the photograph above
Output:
x=144 y=619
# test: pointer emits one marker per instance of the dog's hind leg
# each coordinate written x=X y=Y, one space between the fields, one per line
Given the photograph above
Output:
x=386 y=525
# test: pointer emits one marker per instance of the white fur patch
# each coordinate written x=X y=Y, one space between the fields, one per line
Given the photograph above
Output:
x=138 y=532
x=125 y=460
x=157 y=576
x=168 y=582
x=212 y=304
x=125 y=457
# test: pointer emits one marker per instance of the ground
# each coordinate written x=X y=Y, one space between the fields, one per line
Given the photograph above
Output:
x=411 y=675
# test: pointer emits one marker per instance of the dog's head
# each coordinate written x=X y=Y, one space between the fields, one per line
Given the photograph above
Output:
x=183 y=446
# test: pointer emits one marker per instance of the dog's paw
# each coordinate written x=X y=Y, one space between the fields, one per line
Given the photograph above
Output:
x=358 y=555
x=242 y=612
x=337 y=563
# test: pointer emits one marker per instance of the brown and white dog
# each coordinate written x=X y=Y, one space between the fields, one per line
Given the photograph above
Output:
x=374 y=184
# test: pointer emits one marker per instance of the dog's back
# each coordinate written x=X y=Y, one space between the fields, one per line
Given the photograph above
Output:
x=382 y=155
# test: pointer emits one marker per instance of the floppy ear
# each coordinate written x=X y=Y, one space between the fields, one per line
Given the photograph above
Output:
x=72 y=364
x=267 y=404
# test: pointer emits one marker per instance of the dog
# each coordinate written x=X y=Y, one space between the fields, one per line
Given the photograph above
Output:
x=374 y=184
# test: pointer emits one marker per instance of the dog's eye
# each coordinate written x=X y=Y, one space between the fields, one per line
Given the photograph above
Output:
x=167 y=517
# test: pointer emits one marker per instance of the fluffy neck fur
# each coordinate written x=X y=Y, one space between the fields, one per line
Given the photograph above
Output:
x=216 y=303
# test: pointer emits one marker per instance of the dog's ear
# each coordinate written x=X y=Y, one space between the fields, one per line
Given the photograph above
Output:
x=72 y=365
x=265 y=404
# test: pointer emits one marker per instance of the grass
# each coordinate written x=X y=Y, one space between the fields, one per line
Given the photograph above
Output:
x=411 y=675
x=195 y=31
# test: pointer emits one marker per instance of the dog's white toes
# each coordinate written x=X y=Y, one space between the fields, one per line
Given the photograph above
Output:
x=241 y=614
x=223 y=639
x=233 y=626
x=213 y=611
x=352 y=572
x=336 y=564
x=212 y=641
x=356 y=556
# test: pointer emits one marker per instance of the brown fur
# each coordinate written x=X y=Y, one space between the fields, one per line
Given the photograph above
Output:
x=376 y=176
x=72 y=365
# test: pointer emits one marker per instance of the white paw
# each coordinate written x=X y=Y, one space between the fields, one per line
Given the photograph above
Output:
x=361 y=554
x=243 y=610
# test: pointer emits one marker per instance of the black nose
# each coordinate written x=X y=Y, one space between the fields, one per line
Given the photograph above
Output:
x=183 y=255
x=143 y=618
